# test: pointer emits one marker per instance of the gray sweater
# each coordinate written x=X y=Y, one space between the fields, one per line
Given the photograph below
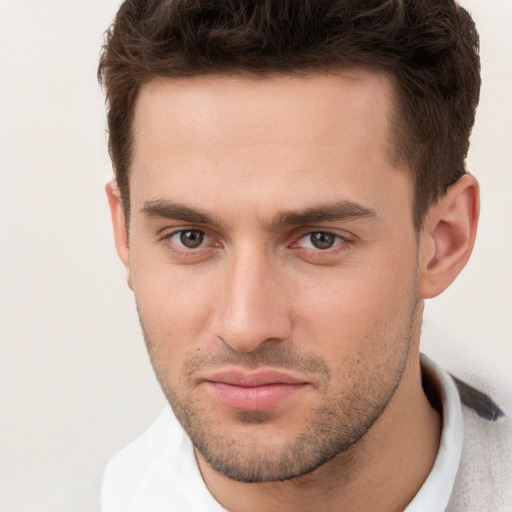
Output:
x=484 y=479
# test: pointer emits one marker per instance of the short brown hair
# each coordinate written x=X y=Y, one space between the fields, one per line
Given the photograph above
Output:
x=429 y=48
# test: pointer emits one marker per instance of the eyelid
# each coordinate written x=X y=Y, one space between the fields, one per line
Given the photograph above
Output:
x=339 y=234
x=344 y=242
x=171 y=231
x=337 y=240
x=182 y=254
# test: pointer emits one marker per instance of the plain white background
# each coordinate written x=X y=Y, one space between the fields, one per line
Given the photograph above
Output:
x=75 y=381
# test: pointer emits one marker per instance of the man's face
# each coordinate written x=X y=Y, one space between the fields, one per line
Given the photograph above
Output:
x=273 y=259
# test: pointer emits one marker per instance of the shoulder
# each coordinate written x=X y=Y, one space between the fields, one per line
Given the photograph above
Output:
x=156 y=472
x=129 y=472
x=483 y=478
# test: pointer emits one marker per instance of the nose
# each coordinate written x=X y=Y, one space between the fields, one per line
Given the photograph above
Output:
x=252 y=306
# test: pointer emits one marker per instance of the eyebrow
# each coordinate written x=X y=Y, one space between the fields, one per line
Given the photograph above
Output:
x=164 y=209
x=344 y=210
x=338 y=211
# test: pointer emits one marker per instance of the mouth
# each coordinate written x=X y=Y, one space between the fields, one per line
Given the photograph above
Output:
x=258 y=390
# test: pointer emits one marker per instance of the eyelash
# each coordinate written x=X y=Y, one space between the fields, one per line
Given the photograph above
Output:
x=341 y=244
x=183 y=251
x=338 y=240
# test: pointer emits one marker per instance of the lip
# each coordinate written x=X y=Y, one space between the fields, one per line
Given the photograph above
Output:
x=253 y=390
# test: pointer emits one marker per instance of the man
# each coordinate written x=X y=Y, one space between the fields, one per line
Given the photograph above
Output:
x=290 y=188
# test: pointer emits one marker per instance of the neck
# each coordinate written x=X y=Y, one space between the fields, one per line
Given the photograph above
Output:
x=383 y=471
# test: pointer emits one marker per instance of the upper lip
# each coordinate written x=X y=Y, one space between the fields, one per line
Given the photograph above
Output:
x=254 y=378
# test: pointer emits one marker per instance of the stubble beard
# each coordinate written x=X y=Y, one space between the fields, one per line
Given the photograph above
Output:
x=340 y=421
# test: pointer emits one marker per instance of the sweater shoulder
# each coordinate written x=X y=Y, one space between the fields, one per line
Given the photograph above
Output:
x=483 y=478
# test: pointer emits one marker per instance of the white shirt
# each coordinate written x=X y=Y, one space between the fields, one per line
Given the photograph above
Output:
x=435 y=492
x=158 y=472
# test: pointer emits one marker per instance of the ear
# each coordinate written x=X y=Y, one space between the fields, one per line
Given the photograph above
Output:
x=448 y=236
x=119 y=223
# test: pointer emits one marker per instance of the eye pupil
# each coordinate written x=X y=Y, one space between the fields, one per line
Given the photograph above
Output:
x=191 y=239
x=322 y=240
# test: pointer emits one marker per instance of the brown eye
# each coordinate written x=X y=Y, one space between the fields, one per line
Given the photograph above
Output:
x=191 y=239
x=322 y=240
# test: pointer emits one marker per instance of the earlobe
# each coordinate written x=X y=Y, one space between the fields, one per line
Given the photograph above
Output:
x=119 y=224
x=448 y=236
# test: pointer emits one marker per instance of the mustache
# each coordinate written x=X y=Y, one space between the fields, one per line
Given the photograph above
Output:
x=271 y=355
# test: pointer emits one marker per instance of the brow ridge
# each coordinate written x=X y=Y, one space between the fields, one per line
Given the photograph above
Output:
x=328 y=212
x=161 y=208
x=344 y=210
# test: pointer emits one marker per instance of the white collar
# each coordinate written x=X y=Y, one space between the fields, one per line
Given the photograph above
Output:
x=435 y=492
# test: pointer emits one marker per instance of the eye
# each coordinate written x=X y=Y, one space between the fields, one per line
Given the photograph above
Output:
x=189 y=245
x=320 y=240
x=188 y=238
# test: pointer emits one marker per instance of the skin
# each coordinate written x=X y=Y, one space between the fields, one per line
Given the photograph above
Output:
x=308 y=155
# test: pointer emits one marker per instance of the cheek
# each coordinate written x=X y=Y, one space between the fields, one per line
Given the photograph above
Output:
x=174 y=308
x=359 y=305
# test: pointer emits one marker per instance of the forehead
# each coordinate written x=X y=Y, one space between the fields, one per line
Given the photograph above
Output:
x=317 y=134
x=310 y=105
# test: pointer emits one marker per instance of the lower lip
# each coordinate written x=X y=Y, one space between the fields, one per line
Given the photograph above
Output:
x=257 y=398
